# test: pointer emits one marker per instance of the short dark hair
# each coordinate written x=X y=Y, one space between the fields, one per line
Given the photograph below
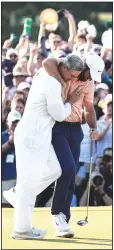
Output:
x=19 y=100
x=96 y=93
x=109 y=103
x=107 y=149
x=19 y=92
x=82 y=37
x=108 y=64
x=41 y=53
x=81 y=75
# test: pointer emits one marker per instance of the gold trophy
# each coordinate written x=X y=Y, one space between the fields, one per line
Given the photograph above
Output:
x=50 y=17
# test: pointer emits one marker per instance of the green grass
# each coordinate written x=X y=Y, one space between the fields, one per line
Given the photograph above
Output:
x=97 y=234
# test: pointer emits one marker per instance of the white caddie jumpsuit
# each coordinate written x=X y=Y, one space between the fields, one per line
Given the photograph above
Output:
x=36 y=162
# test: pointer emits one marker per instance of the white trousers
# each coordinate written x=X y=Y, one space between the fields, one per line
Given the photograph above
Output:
x=28 y=187
x=6 y=185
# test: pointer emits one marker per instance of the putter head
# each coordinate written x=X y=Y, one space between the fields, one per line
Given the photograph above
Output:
x=82 y=222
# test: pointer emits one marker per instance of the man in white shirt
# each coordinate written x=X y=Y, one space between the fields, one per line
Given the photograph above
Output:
x=36 y=162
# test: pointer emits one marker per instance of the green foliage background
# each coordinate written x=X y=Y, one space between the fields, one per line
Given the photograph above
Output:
x=80 y=10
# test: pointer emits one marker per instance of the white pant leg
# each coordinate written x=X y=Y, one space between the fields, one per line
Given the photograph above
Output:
x=27 y=188
x=6 y=185
x=23 y=209
x=52 y=173
x=27 y=181
x=25 y=197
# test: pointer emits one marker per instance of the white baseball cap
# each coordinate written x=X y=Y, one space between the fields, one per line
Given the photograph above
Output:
x=13 y=116
x=23 y=85
x=91 y=29
x=60 y=53
x=107 y=39
x=11 y=51
x=102 y=86
x=83 y=24
x=96 y=65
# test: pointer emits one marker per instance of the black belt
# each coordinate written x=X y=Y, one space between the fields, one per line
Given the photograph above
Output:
x=69 y=123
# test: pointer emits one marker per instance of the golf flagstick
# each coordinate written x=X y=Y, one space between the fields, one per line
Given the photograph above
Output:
x=84 y=222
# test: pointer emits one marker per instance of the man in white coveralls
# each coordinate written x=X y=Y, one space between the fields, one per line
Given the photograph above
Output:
x=36 y=162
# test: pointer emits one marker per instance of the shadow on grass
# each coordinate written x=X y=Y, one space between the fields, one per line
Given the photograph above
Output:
x=108 y=240
x=100 y=242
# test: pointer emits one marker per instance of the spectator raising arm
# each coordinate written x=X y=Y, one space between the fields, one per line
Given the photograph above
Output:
x=30 y=64
x=72 y=28
x=7 y=44
x=41 y=33
x=20 y=43
x=88 y=43
x=42 y=39
x=23 y=46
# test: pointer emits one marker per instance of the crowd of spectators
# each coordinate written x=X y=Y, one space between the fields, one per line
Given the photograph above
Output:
x=19 y=64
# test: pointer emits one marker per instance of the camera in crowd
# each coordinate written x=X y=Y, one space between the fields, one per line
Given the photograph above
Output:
x=97 y=179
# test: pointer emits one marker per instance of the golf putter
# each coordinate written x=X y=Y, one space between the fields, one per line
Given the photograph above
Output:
x=84 y=222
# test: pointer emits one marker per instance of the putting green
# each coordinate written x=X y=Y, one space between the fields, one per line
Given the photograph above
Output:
x=97 y=234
